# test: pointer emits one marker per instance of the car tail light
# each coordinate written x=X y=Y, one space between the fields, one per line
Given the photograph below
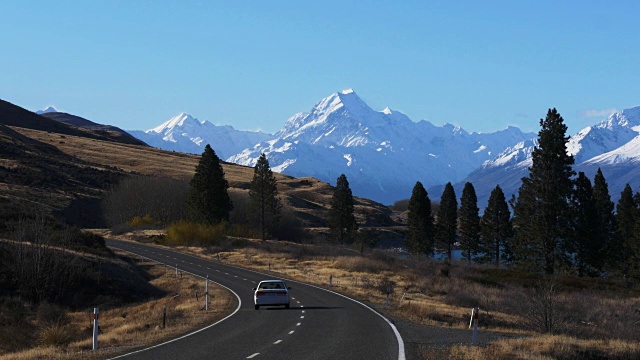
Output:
x=258 y=293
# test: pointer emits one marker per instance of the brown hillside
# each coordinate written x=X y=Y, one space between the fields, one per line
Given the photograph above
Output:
x=309 y=197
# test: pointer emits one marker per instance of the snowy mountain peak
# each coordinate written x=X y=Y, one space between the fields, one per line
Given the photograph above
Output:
x=347 y=92
x=177 y=121
x=386 y=111
x=49 y=109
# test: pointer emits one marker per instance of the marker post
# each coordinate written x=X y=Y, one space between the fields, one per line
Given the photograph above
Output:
x=206 y=295
x=474 y=322
x=95 y=329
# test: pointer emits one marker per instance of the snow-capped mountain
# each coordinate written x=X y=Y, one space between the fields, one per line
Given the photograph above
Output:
x=49 y=109
x=187 y=134
x=613 y=145
x=382 y=153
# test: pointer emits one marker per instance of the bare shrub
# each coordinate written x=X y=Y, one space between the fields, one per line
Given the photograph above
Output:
x=240 y=210
x=49 y=314
x=400 y=205
x=290 y=228
x=40 y=270
x=542 y=308
x=361 y=264
x=163 y=199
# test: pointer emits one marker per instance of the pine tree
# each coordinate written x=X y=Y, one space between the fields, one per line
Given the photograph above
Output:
x=496 y=229
x=447 y=220
x=469 y=222
x=342 y=222
x=606 y=223
x=542 y=210
x=421 y=237
x=264 y=205
x=584 y=243
x=627 y=218
x=208 y=200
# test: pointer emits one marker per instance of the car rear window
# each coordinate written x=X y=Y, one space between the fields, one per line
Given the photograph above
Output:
x=271 y=285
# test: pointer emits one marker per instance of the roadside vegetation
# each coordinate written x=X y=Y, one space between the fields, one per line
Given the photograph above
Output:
x=49 y=330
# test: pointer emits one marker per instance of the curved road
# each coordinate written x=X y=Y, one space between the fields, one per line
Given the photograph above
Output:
x=319 y=325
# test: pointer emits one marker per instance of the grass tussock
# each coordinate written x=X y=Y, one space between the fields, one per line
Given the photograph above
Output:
x=68 y=335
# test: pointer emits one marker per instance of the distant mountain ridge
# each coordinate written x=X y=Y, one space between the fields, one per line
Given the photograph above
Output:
x=612 y=145
x=185 y=133
x=383 y=153
x=108 y=131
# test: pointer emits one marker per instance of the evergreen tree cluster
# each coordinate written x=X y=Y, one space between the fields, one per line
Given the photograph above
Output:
x=561 y=222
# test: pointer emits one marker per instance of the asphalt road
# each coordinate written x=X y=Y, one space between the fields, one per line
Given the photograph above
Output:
x=319 y=325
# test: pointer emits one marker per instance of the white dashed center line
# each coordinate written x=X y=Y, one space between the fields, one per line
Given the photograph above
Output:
x=303 y=311
x=252 y=356
x=277 y=342
x=301 y=317
x=298 y=324
x=291 y=332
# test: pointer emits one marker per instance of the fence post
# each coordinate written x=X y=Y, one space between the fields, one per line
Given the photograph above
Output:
x=206 y=295
x=164 y=317
x=95 y=329
x=269 y=266
x=474 y=321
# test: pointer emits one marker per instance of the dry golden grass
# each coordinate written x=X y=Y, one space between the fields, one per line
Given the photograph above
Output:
x=546 y=347
x=127 y=327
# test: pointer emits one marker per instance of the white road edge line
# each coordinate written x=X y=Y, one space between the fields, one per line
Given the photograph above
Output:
x=191 y=333
x=401 y=355
x=252 y=356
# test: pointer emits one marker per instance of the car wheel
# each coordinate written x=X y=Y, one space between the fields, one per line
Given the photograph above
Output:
x=257 y=307
x=286 y=306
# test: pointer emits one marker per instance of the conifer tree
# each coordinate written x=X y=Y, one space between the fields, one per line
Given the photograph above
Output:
x=496 y=229
x=264 y=205
x=606 y=222
x=469 y=222
x=342 y=222
x=208 y=201
x=542 y=210
x=447 y=220
x=584 y=243
x=627 y=245
x=421 y=237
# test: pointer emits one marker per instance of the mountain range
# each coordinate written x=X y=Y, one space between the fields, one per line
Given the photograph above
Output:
x=613 y=145
x=382 y=153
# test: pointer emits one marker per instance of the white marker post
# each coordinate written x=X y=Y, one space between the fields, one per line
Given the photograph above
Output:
x=176 y=270
x=95 y=329
x=330 y=280
x=206 y=295
x=474 y=322
x=386 y=303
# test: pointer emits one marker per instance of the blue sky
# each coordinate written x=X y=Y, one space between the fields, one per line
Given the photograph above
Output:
x=482 y=65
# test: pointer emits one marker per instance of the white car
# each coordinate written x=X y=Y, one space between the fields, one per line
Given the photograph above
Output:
x=271 y=292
